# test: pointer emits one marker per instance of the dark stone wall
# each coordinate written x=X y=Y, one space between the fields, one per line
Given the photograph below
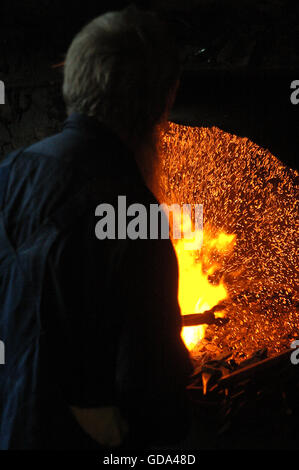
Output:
x=34 y=36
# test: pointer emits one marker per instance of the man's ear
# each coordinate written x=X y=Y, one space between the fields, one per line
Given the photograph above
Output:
x=173 y=93
x=171 y=98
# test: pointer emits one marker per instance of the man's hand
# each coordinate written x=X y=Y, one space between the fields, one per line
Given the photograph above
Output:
x=105 y=425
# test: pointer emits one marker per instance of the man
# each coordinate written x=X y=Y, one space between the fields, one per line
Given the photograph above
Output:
x=94 y=357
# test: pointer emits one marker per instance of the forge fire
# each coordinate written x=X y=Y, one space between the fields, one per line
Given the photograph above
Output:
x=248 y=263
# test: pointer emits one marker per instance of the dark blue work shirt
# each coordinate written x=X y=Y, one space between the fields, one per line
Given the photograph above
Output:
x=100 y=317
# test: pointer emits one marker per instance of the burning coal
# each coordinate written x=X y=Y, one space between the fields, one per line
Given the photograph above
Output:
x=249 y=257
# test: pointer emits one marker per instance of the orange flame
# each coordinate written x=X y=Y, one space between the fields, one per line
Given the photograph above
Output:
x=196 y=292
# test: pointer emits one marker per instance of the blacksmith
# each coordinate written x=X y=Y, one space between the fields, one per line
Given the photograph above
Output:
x=93 y=353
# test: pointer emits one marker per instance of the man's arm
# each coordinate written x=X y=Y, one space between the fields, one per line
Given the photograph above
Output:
x=153 y=364
x=119 y=306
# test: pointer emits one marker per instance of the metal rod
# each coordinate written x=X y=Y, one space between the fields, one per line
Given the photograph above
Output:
x=205 y=318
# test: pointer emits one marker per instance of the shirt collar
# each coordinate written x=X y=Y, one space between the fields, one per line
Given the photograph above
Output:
x=90 y=127
x=86 y=124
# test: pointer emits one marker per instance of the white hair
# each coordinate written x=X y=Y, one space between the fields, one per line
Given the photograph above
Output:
x=120 y=68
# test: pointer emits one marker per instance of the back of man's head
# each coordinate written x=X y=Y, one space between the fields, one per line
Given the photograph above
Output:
x=120 y=68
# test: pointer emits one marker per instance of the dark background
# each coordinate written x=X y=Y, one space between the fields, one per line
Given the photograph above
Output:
x=239 y=59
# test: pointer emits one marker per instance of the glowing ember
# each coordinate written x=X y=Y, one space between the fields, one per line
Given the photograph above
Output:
x=249 y=255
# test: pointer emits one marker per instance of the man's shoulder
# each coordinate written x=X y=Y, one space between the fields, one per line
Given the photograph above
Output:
x=40 y=179
x=51 y=164
x=35 y=157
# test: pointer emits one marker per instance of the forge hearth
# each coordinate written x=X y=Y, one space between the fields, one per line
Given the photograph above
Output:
x=248 y=263
x=253 y=406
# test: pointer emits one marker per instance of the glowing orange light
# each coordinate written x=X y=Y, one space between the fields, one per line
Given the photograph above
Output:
x=196 y=293
x=249 y=255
